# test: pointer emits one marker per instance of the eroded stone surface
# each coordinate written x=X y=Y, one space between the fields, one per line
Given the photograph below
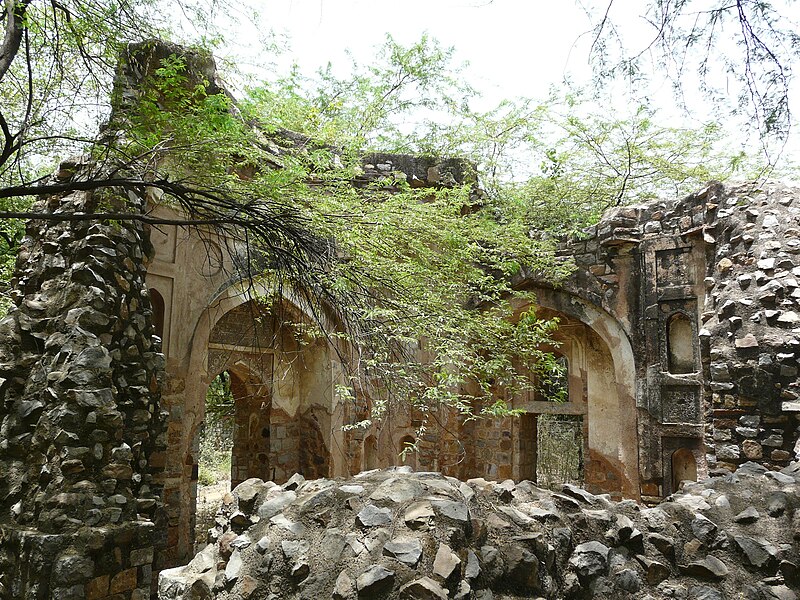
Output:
x=593 y=553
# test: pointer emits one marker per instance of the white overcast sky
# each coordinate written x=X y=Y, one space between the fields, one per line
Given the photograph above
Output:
x=513 y=47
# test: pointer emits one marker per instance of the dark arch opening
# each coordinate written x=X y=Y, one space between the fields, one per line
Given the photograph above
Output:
x=159 y=308
x=370 y=453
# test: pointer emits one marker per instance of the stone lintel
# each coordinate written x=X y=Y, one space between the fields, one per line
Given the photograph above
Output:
x=553 y=408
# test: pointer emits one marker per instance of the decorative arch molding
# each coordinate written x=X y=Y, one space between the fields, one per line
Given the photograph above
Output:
x=227 y=300
x=302 y=419
x=612 y=393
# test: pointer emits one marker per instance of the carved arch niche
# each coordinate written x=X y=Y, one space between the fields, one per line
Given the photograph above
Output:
x=680 y=344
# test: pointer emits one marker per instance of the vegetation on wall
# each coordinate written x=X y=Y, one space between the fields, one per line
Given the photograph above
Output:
x=398 y=270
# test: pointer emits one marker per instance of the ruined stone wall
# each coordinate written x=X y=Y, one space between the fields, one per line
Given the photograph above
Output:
x=704 y=290
x=751 y=327
x=80 y=427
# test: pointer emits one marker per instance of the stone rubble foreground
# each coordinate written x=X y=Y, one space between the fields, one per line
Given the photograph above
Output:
x=394 y=533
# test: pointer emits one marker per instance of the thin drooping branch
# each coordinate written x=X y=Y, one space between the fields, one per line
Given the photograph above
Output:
x=601 y=27
x=117 y=216
x=763 y=71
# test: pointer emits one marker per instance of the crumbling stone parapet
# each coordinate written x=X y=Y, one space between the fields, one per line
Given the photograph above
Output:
x=705 y=289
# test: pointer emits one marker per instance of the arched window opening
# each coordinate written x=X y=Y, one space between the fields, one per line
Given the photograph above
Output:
x=408 y=453
x=214 y=452
x=370 y=453
x=555 y=381
x=680 y=344
x=159 y=308
x=684 y=468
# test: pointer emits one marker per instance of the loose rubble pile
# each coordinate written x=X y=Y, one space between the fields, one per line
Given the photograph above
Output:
x=398 y=534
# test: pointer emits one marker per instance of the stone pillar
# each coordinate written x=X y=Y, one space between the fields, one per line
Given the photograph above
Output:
x=79 y=412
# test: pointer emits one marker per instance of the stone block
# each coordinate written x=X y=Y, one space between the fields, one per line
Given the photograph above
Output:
x=651 y=489
x=722 y=435
x=75 y=592
x=97 y=588
x=750 y=420
x=752 y=449
x=72 y=569
x=780 y=455
x=727 y=452
x=143 y=556
x=157 y=460
x=124 y=581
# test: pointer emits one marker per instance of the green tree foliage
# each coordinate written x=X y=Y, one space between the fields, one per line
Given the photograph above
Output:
x=417 y=282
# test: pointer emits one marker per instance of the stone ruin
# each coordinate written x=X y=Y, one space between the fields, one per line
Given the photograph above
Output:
x=82 y=435
x=394 y=533
x=679 y=328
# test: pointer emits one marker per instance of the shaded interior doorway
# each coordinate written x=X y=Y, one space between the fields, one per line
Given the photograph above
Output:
x=159 y=310
x=370 y=453
x=601 y=389
x=551 y=436
x=233 y=443
x=214 y=455
x=250 y=454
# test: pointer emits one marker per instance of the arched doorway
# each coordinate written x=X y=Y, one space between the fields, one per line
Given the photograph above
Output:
x=213 y=451
x=371 y=453
x=159 y=312
x=232 y=443
x=407 y=452
x=601 y=407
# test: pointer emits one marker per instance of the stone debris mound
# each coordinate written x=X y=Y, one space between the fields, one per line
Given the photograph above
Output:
x=394 y=533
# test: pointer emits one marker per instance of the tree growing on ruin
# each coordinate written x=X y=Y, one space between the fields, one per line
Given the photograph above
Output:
x=274 y=170
x=391 y=271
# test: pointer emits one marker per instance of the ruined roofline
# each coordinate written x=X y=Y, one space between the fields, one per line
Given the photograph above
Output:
x=629 y=224
x=139 y=60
